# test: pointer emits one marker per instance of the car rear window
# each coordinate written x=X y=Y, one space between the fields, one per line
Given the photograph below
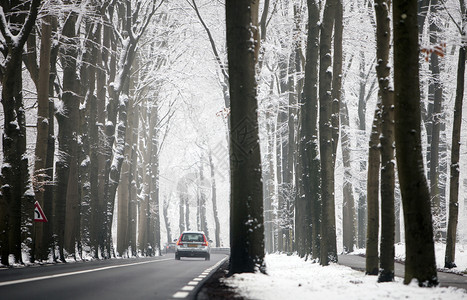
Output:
x=192 y=237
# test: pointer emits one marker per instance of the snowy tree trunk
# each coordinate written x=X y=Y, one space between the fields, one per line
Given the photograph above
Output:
x=434 y=119
x=181 y=189
x=308 y=204
x=165 y=214
x=374 y=163
x=134 y=182
x=420 y=256
x=214 y=201
x=246 y=213
x=451 y=238
x=383 y=39
x=44 y=121
x=202 y=202
x=144 y=211
x=97 y=138
x=123 y=195
x=14 y=171
x=328 y=249
x=66 y=210
x=348 y=206
x=154 y=191
x=269 y=186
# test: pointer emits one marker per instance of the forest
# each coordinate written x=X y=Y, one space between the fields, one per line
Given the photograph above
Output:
x=316 y=127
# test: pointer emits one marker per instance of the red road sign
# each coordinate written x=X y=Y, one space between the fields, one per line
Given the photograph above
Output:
x=39 y=215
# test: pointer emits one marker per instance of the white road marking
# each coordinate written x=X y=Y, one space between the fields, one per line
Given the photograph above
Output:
x=191 y=285
x=180 y=295
x=78 y=272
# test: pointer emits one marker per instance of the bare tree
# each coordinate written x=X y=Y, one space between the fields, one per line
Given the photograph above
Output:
x=420 y=256
x=308 y=204
x=17 y=19
x=42 y=171
x=374 y=163
x=328 y=251
x=383 y=39
x=450 y=255
x=246 y=213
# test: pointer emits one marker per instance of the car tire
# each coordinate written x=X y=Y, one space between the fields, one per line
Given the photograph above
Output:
x=177 y=257
x=208 y=257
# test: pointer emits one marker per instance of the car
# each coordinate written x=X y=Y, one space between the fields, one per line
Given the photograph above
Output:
x=169 y=248
x=193 y=244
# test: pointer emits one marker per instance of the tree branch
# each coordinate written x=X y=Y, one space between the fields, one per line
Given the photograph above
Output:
x=211 y=40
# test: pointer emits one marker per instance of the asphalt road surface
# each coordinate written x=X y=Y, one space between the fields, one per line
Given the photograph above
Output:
x=445 y=279
x=144 y=278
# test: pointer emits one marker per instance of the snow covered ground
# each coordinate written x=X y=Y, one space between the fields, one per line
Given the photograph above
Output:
x=290 y=277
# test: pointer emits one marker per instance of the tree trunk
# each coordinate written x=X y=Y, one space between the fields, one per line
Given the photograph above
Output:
x=308 y=205
x=133 y=193
x=386 y=138
x=450 y=255
x=292 y=158
x=435 y=98
x=165 y=214
x=144 y=211
x=99 y=155
x=14 y=178
x=362 y=205
x=336 y=92
x=67 y=134
x=124 y=197
x=47 y=239
x=40 y=250
x=155 y=212
x=269 y=186
x=202 y=202
x=246 y=213
x=328 y=223
x=348 y=206
x=420 y=256
x=374 y=162
x=181 y=189
x=214 y=201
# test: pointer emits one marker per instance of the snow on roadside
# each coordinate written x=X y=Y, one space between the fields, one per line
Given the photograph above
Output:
x=290 y=277
x=440 y=249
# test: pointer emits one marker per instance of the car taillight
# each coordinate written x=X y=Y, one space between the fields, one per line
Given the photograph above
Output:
x=205 y=241
x=179 y=242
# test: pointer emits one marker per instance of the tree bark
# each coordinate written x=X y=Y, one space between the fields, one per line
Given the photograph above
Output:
x=450 y=255
x=214 y=201
x=66 y=210
x=420 y=256
x=246 y=212
x=43 y=122
x=308 y=201
x=374 y=163
x=434 y=119
x=14 y=173
x=362 y=197
x=386 y=138
x=326 y=144
x=348 y=206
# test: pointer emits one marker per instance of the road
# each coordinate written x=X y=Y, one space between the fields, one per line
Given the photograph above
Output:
x=445 y=279
x=143 y=278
